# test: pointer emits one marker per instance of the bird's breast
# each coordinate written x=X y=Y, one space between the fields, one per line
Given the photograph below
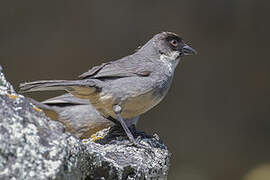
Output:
x=135 y=106
x=135 y=96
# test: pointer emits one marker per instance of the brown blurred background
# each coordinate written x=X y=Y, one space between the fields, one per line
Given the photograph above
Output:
x=215 y=119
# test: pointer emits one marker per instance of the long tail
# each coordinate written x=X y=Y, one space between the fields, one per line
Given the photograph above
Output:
x=79 y=88
x=47 y=85
x=40 y=104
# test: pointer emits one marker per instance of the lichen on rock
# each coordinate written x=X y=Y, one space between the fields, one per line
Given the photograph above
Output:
x=34 y=147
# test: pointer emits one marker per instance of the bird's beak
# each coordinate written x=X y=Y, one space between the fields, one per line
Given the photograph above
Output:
x=187 y=50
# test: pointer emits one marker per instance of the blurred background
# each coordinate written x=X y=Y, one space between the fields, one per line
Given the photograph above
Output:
x=216 y=116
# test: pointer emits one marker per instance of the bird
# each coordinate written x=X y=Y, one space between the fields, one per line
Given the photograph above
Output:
x=126 y=88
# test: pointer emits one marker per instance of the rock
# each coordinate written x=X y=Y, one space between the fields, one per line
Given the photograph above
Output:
x=34 y=147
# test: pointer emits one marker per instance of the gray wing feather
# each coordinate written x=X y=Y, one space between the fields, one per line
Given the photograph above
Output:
x=66 y=98
x=93 y=71
x=125 y=67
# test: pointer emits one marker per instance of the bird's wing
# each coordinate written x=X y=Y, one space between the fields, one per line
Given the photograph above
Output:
x=118 y=69
x=93 y=71
x=66 y=99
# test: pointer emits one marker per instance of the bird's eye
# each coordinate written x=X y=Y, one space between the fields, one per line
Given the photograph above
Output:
x=174 y=42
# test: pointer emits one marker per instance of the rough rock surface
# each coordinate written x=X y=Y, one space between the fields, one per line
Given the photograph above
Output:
x=35 y=147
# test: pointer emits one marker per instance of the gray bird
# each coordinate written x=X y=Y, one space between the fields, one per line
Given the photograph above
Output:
x=128 y=87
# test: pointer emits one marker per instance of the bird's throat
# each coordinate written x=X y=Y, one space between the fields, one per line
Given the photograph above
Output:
x=171 y=60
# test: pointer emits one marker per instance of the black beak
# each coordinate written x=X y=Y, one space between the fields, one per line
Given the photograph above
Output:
x=187 y=50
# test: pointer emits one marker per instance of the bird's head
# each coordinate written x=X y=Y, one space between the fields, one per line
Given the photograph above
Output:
x=171 y=46
x=166 y=44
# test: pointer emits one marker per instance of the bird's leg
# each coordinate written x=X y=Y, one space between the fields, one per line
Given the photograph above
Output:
x=117 y=110
x=115 y=121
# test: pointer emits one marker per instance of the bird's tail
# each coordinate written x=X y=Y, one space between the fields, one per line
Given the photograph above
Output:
x=46 y=85
x=79 y=88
